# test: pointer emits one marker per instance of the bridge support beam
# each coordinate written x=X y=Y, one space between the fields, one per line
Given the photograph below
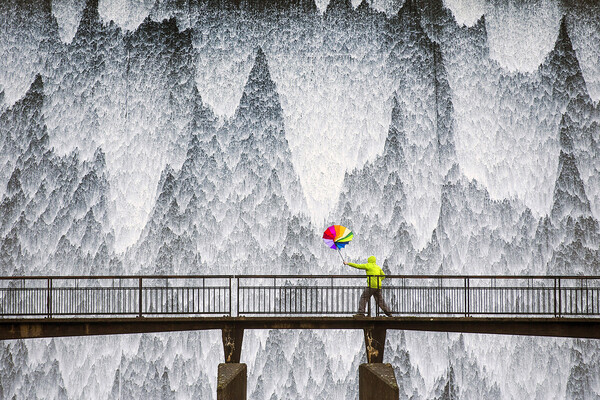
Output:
x=377 y=382
x=232 y=381
x=374 y=344
x=233 y=336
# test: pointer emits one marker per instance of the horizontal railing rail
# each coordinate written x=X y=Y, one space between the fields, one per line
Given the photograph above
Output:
x=296 y=295
x=193 y=276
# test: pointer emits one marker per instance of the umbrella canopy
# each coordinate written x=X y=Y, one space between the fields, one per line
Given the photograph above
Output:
x=337 y=236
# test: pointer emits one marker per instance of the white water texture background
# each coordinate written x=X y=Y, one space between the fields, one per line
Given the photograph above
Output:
x=205 y=136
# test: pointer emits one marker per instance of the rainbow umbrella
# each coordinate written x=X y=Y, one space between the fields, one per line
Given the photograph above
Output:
x=337 y=237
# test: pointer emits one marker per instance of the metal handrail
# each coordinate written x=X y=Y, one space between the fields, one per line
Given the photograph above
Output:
x=233 y=276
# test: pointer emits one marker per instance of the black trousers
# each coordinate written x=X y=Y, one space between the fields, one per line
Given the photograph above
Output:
x=366 y=294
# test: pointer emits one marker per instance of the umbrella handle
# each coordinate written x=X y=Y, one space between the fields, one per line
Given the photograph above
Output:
x=341 y=255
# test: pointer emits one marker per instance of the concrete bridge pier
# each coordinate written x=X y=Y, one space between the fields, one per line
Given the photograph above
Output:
x=232 y=375
x=376 y=381
x=232 y=381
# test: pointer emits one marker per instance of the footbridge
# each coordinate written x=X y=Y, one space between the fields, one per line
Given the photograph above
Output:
x=58 y=306
x=53 y=306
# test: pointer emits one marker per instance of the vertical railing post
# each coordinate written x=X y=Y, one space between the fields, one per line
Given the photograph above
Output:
x=559 y=298
x=403 y=298
x=166 y=298
x=333 y=309
x=587 y=298
x=466 y=297
x=369 y=302
x=140 y=297
x=49 y=299
x=237 y=284
x=378 y=283
x=230 y=290
x=555 y=299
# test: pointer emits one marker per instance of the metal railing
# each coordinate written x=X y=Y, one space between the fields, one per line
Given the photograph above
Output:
x=114 y=296
x=295 y=295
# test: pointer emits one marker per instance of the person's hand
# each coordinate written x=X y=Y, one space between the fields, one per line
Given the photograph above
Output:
x=345 y=263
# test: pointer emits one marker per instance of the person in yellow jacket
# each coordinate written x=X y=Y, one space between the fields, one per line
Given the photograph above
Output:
x=374 y=277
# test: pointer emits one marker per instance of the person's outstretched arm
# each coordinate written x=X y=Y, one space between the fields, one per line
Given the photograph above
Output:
x=359 y=266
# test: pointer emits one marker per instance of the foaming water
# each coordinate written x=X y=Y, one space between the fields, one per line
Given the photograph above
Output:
x=177 y=138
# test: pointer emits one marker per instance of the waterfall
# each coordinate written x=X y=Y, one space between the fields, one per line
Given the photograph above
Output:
x=222 y=137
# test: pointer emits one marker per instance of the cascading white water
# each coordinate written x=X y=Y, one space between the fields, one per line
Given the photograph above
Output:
x=198 y=137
